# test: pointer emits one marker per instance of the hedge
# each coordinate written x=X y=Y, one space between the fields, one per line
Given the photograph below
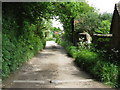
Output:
x=96 y=65
x=18 y=48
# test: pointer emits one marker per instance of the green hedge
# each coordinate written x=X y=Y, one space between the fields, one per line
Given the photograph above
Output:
x=95 y=64
x=17 y=49
x=98 y=67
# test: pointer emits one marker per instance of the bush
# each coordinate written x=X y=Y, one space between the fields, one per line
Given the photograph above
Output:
x=72 y=51
x=15 y=53
x=58 y=39
x=110 y=74
x=98 y=67
x=92 y=61
x=17 y=49
x=87 y=59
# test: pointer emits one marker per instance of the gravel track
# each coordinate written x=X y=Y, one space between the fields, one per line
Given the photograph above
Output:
x=51 y=68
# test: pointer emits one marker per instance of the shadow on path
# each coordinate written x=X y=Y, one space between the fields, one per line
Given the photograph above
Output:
x=51 y=68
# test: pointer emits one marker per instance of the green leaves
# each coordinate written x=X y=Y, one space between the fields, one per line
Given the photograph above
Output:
x=96 y=64
x=87 y=22
x=19 y=43
x=104 y=27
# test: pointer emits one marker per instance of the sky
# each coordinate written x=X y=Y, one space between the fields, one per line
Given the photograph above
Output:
x=56 y=23
x=102 y=5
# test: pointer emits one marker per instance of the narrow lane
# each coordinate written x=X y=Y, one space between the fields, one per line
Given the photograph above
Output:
x=51 y=68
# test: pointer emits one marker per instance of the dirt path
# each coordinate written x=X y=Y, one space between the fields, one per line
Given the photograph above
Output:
x=51 y=68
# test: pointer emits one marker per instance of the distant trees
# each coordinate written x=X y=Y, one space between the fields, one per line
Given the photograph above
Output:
x=105 y=23
x=92 y=22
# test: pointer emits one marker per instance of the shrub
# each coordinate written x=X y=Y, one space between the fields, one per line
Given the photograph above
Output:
x=110 y=74
x=72 y=51
x=98 y=67
x=87 y=58
x=93 y=62
x=17 y=49
x=58 y=39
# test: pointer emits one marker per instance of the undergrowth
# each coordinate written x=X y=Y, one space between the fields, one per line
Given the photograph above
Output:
x=19 y=44
x=93 y=62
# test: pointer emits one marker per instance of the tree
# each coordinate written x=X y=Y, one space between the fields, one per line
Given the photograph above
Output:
x=106 y=16
x=104 y=27
x=87 y=22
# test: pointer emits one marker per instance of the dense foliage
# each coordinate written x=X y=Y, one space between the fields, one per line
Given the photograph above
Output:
x=105 y=23
x=94 y=62
x=87 y=22
x=26 y=26
x=100 y=66
x=93 y=22
x=67 y=11
x=23 y=33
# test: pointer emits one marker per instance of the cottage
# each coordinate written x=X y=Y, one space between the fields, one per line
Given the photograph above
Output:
x=115 y=28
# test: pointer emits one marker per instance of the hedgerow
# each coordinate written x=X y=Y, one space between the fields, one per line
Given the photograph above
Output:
x=23 y=36
x=18 y=50
x=95 y=64
x=19 y=43
x=24 y=26
x=98 y=67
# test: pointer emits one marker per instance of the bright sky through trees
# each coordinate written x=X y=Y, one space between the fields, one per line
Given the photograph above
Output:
x=103 y=5
x=56 y=23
